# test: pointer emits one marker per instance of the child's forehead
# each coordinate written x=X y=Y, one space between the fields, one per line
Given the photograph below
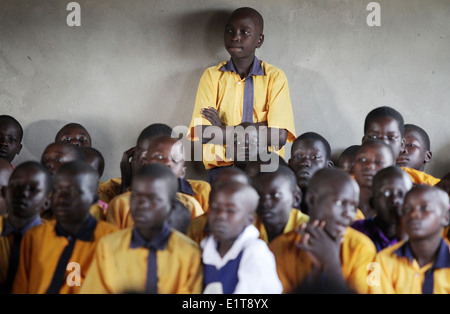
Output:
x=308 y=143
x=374 y=149
x=73 y=129
x=55 y=148
x=383 y=123
x=8 y=126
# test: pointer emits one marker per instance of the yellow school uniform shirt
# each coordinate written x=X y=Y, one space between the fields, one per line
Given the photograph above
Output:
x=446 y=234
x=294 y=265
x=400 y=273
x=419 y=177
x=201 y=190
x=109 y=189
x=119 y=213
x=224 y=91
x=119 y=268
x=296 y=218
x=41 y=250
x=198 y=229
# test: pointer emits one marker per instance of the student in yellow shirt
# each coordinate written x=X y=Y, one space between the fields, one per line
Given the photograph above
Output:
x=5 y=172
x=420 y=265
x=278 y=194
x=75 y=134
x=372 y=156
x=26 y=195
x=326 y=248
x=132 y=160
x=168 y=151
x=387 y=124
x=150 y=257
x=55 y=257
x=309 y=153
x=243 y=89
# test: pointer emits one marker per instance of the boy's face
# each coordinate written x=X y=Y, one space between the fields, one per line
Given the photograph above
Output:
x=388 y=197
x=414 y=155
x=75 y=135
x=336 y=206
x=387 y=130
x=228 y=216
x=423 y=214
x=243 y=35
x=150 y=203
x=26 y=194
x=307 y=157
x=72 y=197
x=55 y=156
x=169 y=154
x=370 y=160
x=10 y=145
x=276 y=199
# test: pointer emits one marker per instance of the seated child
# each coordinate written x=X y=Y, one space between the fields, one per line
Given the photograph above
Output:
x=309 y=153
x=326 y=248
x=278 y=193
x=150 y=257
x=416 y=152
x=131 y=162
x=168 y=151
x=26 y=195
x=372 y=156
x=234 y=259
x=420 y=265
x=75 y=134
x=389 y=188
x=199 y=229
x=346 y=160
x=60 y=153
x=11 y=135
x=241 y=90
x=5 y=172
x=387 y=124
x=50 y=249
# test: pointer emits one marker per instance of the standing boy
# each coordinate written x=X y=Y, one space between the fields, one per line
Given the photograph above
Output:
x=243 y=89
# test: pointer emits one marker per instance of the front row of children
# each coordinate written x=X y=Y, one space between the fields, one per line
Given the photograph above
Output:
x=75 y=253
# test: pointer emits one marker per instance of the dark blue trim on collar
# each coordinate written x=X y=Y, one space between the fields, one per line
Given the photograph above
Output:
x=9 y=229
x=159 y=242
x=443 y=256
x=185 y=187
x=256 y=68
x=85 y=234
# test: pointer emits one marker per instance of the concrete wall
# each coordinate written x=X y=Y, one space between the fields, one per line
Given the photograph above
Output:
x=132 y=63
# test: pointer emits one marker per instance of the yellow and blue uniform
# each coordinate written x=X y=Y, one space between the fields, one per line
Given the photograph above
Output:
x=125 y=263
x=400 y=273
x=10 y=240
x=47 y=250
x=294 y=265
x=223 y=89
x=198 y=229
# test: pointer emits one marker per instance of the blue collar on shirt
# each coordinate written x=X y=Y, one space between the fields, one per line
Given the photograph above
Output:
x=443 y=256
x=85 y=234
x=9 y=229
x=159 y=242
x=256 y=68
x=185 y=187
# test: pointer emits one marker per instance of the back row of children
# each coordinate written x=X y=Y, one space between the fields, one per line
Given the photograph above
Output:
x=369 y=227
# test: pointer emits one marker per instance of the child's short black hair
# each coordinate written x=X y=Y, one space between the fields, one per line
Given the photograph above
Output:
x=284 y=171
x=314 y=136
x=92 y=153
x=160 y=171
x=5 y=117
x=155 y=129
x=385 y=112
x=422 y=133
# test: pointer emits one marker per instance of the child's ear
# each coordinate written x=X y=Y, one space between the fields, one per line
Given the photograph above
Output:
x=183 y=172
x=47 y=205
x=330 y=164
x=403 y=145
x=428 y=156
x=260 y=41
x=19 y=149
x=446 y=218
x=298 y=196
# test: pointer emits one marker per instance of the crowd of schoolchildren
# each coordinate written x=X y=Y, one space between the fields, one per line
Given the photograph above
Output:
x=374 y=222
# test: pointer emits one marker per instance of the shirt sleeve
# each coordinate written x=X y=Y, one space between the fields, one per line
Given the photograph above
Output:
x=257 y=271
